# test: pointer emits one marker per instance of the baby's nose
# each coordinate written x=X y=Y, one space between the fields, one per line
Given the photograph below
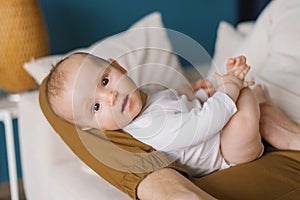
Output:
x=111 y=97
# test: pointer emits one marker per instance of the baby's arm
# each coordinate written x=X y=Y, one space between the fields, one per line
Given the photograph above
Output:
x=234 y=80
x=200 y=89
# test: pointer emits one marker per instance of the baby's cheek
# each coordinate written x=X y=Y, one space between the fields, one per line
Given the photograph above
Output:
x=113 y=120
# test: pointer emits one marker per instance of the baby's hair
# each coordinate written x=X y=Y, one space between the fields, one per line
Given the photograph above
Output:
x=55 y=84
x=56 y=79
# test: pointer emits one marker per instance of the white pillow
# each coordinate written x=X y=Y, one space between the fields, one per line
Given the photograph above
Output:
x=281 y=73
x=249 y=39
x=41 y=67
x=245 y=27
x=272 y=48
x=145 y=43
x=227 y=41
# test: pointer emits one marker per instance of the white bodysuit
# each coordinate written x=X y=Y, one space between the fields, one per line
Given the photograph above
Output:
x=186 y=130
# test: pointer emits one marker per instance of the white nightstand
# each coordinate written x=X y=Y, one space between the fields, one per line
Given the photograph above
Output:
x=8 y=111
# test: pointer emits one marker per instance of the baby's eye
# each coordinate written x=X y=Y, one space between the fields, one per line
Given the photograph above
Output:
x=96 y=107
x=105 y=81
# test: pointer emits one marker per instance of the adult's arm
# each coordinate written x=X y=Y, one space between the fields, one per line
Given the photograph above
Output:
x=168 y=184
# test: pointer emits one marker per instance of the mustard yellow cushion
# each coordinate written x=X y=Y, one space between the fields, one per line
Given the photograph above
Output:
x=276 y=175
x=23 y=36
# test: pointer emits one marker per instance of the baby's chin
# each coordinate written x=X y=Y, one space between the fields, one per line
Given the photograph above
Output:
x=117 y=126
x=84 y=126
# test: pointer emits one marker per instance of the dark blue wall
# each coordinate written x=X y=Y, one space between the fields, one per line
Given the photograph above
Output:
x=78 y=23
x=250 y=10
x=3 y=156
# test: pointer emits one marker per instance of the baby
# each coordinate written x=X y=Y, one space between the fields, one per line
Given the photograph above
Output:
x=223 y=131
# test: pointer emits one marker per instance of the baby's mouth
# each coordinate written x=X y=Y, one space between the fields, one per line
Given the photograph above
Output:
x=124 y=103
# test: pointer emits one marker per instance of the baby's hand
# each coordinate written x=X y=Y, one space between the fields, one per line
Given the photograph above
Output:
x=238 y=67
x=190 y=90
x=206 y=85
x=232 y=82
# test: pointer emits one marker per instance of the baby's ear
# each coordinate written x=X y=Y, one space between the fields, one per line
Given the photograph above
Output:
x=117 y=65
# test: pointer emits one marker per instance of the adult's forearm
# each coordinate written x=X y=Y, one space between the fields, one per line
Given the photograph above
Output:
x=167 y=184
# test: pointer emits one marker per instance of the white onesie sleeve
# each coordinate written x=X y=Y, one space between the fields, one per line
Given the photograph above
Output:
x=168 y=124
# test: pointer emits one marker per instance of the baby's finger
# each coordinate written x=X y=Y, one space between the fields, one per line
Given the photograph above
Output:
x=238 y=70
x=216 y=75
x=208 y=83
x=230 y=65
x=231 y=62
x=203 y=83
x=199 y=84
x=244 y=72
x=242 y=60
x=248 y=83
x=210 y=91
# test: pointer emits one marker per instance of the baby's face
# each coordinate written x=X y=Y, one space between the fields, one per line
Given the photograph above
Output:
x=101 y=97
